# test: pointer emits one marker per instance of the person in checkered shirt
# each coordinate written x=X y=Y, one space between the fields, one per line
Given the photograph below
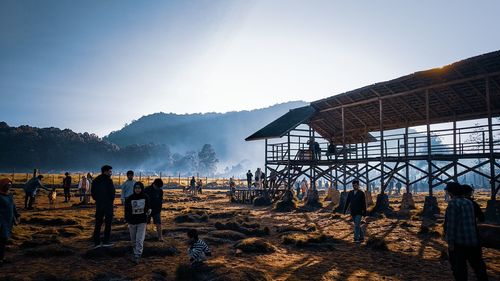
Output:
x=461 y=234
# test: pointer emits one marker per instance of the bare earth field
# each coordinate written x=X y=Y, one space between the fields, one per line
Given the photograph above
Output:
x=248 y=243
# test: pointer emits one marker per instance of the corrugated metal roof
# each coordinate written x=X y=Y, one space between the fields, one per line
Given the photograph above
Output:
x=284 y=124
x=455 y=92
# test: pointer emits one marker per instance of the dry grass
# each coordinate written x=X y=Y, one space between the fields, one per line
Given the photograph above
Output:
x=319 y=245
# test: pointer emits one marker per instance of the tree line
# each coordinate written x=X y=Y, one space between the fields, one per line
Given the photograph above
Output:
x=53 y=149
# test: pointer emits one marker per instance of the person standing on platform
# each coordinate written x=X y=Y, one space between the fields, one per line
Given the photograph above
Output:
x=249 y=179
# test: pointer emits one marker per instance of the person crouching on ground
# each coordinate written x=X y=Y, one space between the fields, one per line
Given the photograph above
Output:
x=461 y=234
x=8 y=216
x=198 y=250
x=137 y=210
x=356 y=200
x=155 y=194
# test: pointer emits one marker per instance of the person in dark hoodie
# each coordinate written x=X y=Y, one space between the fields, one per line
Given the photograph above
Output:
x=8 y=216
x=468 y=194
x=137 y=210
x=103 y=192
x=155 y=194
x=356 y=200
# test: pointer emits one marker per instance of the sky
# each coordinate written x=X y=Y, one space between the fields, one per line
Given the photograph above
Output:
x=94 y=65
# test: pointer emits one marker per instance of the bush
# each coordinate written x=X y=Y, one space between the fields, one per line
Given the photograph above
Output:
x=227 y=234
x=239 y=228
x=50 y=221
x=255 y=245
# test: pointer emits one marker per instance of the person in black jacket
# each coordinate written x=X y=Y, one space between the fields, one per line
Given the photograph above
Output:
x=137 y=210
x=155 y=194
x=356 y=200
x=103 y=192
x=468 y=191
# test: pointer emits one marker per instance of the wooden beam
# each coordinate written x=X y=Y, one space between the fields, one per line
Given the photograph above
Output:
x=421 y=89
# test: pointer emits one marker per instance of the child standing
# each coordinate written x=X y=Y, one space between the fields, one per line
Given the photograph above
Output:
x=137 y=210
x=8 y=215
x=198 y=250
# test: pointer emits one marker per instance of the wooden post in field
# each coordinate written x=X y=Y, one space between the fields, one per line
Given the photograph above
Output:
x=140 y=176
x=35 y=172
x=169 y=179
x=27 y=177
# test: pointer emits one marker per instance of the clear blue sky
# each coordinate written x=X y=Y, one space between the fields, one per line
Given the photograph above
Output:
x=95 y=65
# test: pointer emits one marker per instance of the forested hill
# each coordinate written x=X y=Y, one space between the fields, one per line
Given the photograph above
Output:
x=186 y=144
x=225 y=131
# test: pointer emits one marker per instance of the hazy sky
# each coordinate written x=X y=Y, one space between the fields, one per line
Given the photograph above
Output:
x=95 y=65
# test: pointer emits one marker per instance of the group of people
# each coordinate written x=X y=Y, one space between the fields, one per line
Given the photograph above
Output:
x=32 y=185
x=195 y=186
x=460 y=227
x=259 y=179
x=141 y=206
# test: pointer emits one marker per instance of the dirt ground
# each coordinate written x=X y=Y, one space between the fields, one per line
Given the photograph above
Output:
x=248 y=243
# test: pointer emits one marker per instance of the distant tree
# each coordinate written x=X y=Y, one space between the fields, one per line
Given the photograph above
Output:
x=207 y=160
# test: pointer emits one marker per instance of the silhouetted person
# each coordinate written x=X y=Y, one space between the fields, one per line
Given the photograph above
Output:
x=155 y=193
x=103 y=192
x=356 y=200
x=249 y=179
x=331 y=150
x=192 y=185
x=468 y=194
x=317 y=151
x=461 y=234
x=8 y=215
x=30 y=190
x=67 y=187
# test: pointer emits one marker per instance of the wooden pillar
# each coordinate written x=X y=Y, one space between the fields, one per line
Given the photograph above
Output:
x=288 y=185
x=455 y=156
x=381 y=125
x=429 y=163
x=367 y=167
x=490 y=142
x=268 y=177
x=344 y=149
x=407 y=162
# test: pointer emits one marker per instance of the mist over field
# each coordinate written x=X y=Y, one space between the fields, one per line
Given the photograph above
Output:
x=208 y=144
